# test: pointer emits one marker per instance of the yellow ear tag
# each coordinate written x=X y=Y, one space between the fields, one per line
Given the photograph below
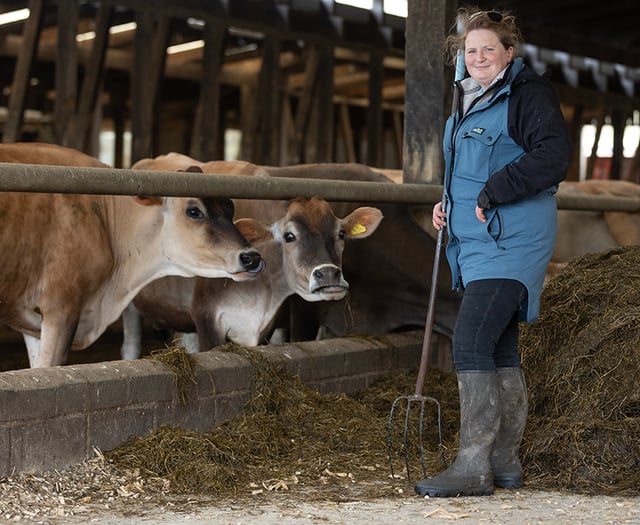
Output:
x=358 y=228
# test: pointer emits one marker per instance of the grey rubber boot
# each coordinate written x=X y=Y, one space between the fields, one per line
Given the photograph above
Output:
x=470 y=474
x=505 y=458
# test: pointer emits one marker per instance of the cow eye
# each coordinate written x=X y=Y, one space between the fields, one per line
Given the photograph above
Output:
x=342 y=234
x=289 y=237
x=193 y=212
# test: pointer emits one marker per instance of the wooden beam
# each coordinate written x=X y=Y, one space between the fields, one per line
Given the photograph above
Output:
x=20 y=84
x=205 y=142
x=427 y=23
x=375 y=142
x=249 y=121
x=320 y=132
x=301 y=122
x=347 y=133
x=80 y=125
x=268 y=104
x=66 y=69
x=150 y=53
x=619 y=121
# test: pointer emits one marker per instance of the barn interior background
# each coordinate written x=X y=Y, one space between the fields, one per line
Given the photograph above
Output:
x=288 y=81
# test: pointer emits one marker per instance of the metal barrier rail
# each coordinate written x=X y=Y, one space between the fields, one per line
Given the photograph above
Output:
x=38 y=178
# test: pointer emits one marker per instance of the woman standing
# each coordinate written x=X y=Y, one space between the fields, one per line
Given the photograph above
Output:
x=506 y=149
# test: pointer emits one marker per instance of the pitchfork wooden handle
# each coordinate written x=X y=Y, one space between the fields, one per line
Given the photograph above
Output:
x=428 y=329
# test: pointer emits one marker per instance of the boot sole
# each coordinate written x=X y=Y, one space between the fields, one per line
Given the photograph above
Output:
x=436 y=493
x=508 y=483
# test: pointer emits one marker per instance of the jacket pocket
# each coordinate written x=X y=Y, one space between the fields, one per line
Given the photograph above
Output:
x=475 y=150
x=494 y=225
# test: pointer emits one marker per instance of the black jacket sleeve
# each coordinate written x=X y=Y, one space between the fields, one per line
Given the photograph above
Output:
x=536 y=123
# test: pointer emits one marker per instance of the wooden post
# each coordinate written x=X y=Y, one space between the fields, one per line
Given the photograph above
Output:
x=303 y=110
x=249 y=121
x=268 y=100
x=617 y=159
x=31 y=35
x=150 y=55
x=66 y=80
x=118 y=100
x=205 y=142
x=425 y=89
x=347 y=133
x=591 y=161
x=575 y=131
x=79 y=125
x=375 y=142
x=634 y=174
x=320 y=134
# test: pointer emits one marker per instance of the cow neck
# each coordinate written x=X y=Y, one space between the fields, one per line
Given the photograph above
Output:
x=134 y=236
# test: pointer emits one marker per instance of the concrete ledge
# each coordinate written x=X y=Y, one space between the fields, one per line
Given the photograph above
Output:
x=53 y=417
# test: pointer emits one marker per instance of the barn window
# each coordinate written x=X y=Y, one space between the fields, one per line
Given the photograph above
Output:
x=108 y=148
x=604 y=149
x=392 y=7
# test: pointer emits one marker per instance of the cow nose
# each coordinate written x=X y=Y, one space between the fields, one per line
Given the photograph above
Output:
x=328 y=274
x=251 y=261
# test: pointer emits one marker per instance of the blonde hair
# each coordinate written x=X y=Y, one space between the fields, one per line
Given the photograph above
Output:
x=502 y=23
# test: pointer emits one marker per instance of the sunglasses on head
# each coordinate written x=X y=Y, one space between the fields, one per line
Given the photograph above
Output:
x=494 y=16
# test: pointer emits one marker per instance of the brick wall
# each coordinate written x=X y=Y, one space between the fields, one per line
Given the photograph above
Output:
x=53 y=417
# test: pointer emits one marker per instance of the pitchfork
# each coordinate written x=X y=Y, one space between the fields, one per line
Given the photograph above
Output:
x=417 y=397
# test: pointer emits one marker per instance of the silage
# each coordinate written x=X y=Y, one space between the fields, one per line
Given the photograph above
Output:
x=582 y=362
x=581 y=359
x=290 y=436
x=181 y=364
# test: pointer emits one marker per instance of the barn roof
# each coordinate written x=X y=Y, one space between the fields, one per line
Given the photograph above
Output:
x=591 y=47
x=588 y=44
x=606 y=31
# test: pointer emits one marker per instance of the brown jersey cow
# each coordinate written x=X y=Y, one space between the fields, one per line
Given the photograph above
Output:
x=69 y=264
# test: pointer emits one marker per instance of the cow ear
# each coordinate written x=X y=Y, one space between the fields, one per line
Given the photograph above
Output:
x=252 y=230
x=192 y=169
x=148 y=201
x=362 y=222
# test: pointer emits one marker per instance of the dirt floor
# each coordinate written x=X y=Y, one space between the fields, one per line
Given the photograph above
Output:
x=525 y=506
x=503 y=508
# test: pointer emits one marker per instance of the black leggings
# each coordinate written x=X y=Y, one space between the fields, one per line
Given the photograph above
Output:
x=486 y=332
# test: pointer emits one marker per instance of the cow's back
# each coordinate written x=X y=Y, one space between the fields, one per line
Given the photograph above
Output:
x=43 y=153
x=581 y=232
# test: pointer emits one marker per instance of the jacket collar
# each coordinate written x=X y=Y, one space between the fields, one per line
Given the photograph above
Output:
x=469 y=90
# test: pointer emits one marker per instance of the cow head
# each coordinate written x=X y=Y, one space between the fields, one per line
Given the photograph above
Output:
x=313 y=239
x=199 y=237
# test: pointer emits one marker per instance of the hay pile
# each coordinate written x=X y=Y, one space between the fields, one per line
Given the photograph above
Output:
x=582 y=361
x=290 y=437
x=581 y=358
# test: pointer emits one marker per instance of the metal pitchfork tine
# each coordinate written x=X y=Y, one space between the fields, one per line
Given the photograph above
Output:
x=417 y=397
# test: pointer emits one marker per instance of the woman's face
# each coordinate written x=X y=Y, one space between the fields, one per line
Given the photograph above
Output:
x=485 y=56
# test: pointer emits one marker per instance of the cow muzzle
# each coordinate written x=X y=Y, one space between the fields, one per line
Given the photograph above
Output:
x=328 y=283
x=251 y=263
